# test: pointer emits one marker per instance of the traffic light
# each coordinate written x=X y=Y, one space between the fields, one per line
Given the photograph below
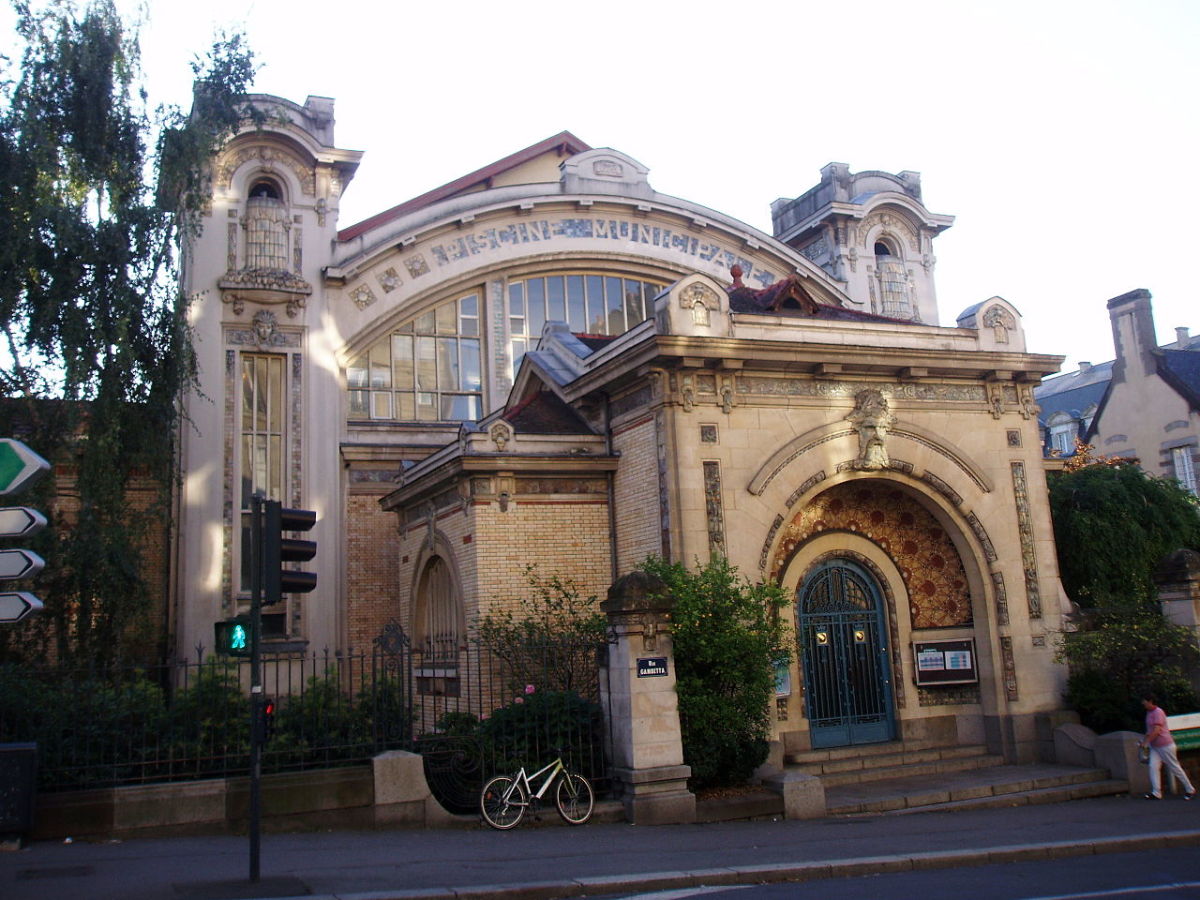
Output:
x=268 y=719
x=278 y=550
x=233 y=636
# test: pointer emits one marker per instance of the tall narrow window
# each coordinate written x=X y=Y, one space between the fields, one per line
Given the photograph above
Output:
x=266 y=228
x=1185 y=470
x=261 y=427
x=439 y=619
x=894 y=294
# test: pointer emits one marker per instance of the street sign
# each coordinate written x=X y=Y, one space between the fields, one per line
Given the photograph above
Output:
x=20 y=564
x=16 y=605
x=19 y=466
x=20 y=521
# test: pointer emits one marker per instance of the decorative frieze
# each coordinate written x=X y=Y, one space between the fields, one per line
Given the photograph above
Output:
x=989 y=551
x=1028 y=548
x=1010 y=668
x=808 y=484
x=713 y=510
x=770 y=386
x=942 y=488
x=1001 y=598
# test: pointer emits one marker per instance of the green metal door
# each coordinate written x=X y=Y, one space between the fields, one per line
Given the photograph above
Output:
x=843 y=646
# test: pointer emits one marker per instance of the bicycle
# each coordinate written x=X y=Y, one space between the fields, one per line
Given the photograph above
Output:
x=505 y=798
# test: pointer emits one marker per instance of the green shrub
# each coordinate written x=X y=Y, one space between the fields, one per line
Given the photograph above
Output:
x=728 y=639
x=537 y=725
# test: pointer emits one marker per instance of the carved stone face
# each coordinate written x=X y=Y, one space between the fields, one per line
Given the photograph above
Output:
x=263 y=324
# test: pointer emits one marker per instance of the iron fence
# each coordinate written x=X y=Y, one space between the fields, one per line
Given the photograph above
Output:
x=469 y=712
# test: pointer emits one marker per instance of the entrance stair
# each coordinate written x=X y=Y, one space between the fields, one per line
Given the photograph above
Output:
x=896 y=777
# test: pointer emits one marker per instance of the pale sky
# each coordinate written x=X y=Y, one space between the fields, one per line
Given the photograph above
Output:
x=1063 y=135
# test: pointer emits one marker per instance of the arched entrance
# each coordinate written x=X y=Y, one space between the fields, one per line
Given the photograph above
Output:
x=842 y=635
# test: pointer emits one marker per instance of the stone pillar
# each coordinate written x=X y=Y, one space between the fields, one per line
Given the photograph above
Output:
x=1177 y=577
x=638 y=690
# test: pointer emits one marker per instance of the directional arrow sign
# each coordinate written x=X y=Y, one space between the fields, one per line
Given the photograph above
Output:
x=20 y=521
x=20 y=564
x=19 y=466
x=16 y=605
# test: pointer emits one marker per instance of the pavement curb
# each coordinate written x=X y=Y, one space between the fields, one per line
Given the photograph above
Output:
x=780 y=872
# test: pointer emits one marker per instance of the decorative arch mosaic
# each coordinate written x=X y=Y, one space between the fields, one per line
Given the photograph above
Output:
x=928 y=561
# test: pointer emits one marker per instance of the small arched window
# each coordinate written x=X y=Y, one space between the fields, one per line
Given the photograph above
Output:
x=895 y=298
x=266 y=227
x=438 y=625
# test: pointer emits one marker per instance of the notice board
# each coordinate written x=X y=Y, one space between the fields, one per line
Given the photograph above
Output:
x=945 y=662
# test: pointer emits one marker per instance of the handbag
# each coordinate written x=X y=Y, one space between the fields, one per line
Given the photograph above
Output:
x=1143 y=753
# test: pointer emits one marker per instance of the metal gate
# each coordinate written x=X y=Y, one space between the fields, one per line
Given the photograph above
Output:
x=843 y=647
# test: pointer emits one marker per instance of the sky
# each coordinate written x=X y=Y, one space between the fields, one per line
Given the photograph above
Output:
x=1062 y=135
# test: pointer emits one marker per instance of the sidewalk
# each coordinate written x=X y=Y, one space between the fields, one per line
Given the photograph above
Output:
x=553 y=860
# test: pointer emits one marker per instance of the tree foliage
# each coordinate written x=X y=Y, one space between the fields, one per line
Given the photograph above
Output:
x=728 y=638
x=94 y=342
x=550 y=642
x=1113 y=524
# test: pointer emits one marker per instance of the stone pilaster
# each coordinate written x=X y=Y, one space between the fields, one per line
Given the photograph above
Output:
x=643 y=707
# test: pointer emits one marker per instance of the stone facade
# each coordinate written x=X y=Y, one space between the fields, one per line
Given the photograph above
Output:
x=548 y=362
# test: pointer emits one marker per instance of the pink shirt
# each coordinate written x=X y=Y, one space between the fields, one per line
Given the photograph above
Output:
x=1154 y=717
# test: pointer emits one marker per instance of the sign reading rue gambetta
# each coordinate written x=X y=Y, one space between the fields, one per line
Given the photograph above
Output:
x=652 y=666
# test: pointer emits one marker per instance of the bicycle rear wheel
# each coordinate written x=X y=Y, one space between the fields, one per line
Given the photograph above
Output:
x=574 y=798
x=502 y=802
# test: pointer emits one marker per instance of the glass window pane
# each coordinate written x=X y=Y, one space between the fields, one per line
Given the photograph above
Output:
x=359 y=403
x=516 y=299
x=426 y=364
x=261 y=384
x=402 y=362
x=275 y=467
x=381 y=405
x=245 y=557
x=535 y=315
x=247 y=470
x=356 y=372
x=447 y=318
x=556 y=298
x=595 y=304
x=275 y=395
x=427 y=406
x=576 y=309
x=470 y=374
x=425 y=323
x=518 y=354
x=469 y=305
x=460 y=407
x=406 y=407
x=247 y=393
x=447 y=363
x=616 y=306
x=381 y=365
x=633 y=302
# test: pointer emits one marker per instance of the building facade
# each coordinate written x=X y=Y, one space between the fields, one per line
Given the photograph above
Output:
x=547 y=361
x=1143 y=404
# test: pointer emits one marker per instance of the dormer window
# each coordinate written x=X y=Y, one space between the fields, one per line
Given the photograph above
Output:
x=266 y=228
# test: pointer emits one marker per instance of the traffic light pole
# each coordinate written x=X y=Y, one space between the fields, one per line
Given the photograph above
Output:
x=257 y=560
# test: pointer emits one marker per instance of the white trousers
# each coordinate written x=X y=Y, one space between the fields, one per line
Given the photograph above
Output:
x=1165 y=756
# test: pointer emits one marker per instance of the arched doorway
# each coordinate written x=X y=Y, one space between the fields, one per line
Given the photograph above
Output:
x=842 y=635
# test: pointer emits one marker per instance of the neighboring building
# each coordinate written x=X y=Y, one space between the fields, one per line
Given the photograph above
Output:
x=1143 y=404
x=548 y=361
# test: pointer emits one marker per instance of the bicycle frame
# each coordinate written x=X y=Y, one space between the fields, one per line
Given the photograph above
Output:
x=526 y=780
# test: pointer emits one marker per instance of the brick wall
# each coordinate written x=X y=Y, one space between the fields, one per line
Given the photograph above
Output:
x=636 y=493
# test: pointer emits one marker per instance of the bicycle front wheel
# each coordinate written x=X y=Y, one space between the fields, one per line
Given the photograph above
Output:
x=574 y=798
x=502 y=802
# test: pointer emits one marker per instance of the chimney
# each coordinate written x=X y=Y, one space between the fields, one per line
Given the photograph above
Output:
x=1084 y=367
x=1181 y=337
x=1133 y=335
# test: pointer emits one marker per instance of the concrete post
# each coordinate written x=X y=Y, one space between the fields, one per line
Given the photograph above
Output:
x=638 y=691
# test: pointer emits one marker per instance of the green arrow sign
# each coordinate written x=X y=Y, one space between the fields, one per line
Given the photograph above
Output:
x=19 y=466
x=19 y=564
x=20 y=521
x=16 y=605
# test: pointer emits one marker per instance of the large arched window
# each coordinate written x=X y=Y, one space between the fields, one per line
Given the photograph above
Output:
x=588 y=303
x=429 y=369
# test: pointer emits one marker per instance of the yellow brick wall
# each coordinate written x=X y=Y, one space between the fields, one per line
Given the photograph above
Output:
x=636 y=493
x=372 y=592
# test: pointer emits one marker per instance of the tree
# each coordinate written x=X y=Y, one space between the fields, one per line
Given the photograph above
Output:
x=1113 y=524
x=96 y=190
x=728 y=639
